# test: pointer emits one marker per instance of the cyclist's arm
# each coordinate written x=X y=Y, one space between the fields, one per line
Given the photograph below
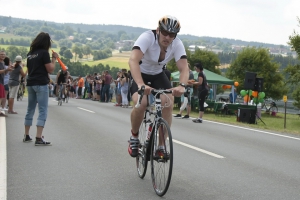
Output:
x=184 y=71
x=183 y=68
x=135 y=57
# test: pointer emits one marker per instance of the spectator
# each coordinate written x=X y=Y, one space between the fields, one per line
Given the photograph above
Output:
x=118 y=89
x=3 y=71
x=202 y=90
x=86 y=87
x=105 y=89
x=80 y=87
x=188 y=106
x=129 y=86
x=232 y=97
x=39 y=66
x=6 y=79
x=111 y=93
x=210 y=93
x=14 y=83
x=124 y=90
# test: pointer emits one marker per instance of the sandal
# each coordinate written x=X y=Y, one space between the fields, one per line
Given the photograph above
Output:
x=12 y=112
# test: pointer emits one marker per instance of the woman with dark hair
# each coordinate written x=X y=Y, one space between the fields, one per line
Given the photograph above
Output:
x=202 y=90
x=39 y=65
x=14 y=83
x=124 y=90
x=7 y=63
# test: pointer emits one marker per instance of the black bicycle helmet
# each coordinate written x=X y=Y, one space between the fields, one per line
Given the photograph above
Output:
x=170 y=24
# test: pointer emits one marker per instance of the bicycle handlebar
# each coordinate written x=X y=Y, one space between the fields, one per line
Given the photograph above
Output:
x=153 y=91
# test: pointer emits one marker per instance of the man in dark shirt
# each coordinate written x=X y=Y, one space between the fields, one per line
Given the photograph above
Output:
x=107 y=82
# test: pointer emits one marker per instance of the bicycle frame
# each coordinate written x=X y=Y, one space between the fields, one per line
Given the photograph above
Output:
x=157 y=146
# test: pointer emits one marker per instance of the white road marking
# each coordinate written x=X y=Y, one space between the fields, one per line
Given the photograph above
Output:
x=198 y=149
x=86 y=110
x=250 y=129
x=3 y=160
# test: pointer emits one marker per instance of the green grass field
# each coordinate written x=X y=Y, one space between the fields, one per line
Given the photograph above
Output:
x=7 y=36
x=118 y=60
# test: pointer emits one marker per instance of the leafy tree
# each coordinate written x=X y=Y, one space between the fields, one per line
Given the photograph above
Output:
x=86 y=50
x=47 y=29
x=293 y=71
x=62 y=50
x=68 y=54
x=58 y=35
x=208 y=59
x=76 y=50
x=69 y=30
x=258 y=60
x=65 y=42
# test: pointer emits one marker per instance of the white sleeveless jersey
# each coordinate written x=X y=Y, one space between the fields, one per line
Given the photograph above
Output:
x=148 y=44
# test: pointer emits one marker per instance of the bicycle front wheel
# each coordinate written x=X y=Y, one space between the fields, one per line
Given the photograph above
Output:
x=141 y=159
x=161 y=157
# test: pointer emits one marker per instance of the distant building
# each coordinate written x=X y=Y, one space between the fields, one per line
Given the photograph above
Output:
x=192 y=48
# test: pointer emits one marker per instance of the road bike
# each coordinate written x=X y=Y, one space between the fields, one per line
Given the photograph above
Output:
x=156 y=143
x=20 y=93
x=270 y=106
x=63 y=96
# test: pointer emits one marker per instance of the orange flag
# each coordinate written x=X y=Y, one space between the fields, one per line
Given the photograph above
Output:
x=63 y=66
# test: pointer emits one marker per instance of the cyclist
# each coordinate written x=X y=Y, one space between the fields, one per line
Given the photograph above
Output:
x=152 y=50
x=61 y=78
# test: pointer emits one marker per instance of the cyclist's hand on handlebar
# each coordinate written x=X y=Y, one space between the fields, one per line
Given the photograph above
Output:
x=177 y=91
x=147 y=90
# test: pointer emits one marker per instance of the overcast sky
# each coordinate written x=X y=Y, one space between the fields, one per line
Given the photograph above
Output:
x=268 y=21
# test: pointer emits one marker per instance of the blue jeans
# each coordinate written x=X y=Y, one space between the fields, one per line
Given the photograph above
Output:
x=37 y=95
x=105 y=92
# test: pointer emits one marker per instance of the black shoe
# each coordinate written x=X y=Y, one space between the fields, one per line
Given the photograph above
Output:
x=197 y=120
x=185 y=117
x=41 y=142
x=133 y=148
x=27 y=138
x=178 y=116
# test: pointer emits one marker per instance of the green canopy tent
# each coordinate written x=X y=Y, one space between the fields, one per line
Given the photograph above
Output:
x=212 y=78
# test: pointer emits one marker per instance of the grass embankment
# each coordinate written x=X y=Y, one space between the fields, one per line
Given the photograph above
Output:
x=272 y=123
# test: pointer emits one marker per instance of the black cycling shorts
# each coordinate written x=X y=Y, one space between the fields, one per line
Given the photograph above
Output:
x=158 y=81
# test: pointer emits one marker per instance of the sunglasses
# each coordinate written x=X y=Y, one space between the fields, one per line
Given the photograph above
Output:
x=166 y=33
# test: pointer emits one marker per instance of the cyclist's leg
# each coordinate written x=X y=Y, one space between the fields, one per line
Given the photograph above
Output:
x=137 y=115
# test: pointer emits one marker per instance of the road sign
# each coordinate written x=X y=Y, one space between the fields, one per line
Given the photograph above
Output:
x=284 y=98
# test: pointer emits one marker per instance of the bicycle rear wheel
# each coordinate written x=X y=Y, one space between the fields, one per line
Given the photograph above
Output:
x=141 y=159
x=161 y=158
x=274 y=109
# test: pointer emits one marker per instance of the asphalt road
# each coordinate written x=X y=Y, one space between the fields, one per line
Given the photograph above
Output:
x=89 y=159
